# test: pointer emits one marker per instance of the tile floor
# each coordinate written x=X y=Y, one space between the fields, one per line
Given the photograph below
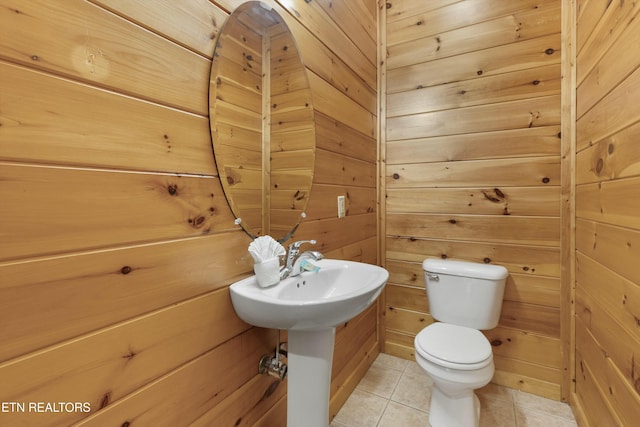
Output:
x=396 y=392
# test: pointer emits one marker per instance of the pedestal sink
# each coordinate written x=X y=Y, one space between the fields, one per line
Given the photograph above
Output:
x=310 y=306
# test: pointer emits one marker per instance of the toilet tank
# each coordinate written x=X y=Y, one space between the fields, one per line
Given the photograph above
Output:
x=465 y=293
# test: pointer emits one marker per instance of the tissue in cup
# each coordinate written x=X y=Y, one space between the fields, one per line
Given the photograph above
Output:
x=267 y=272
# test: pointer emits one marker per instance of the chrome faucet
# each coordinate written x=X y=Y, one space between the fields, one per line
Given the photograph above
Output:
x=293 y=264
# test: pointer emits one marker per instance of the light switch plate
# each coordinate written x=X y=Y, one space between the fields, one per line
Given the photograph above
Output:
x=341 y=208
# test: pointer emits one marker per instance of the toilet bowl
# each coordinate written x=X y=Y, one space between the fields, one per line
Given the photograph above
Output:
x=464 y=298
x=458 y=360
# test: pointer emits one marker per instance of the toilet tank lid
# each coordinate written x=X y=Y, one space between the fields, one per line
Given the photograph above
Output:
x=464 y=269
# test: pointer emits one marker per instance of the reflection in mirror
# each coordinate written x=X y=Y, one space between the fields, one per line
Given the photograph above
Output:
x=262 y=121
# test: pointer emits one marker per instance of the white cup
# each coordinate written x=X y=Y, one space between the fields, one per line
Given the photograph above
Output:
x=267 y=272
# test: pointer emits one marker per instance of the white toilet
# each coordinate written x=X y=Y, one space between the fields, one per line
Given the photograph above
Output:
x=464 y=297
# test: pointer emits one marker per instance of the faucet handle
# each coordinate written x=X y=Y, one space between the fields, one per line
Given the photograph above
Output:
x=295 y=246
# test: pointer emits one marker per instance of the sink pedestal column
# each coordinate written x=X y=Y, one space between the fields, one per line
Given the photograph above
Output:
x=309 y=359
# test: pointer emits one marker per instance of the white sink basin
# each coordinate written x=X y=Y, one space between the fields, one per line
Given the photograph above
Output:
x=312 y=300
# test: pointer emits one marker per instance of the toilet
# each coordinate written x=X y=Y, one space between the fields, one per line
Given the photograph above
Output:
x=464 y=297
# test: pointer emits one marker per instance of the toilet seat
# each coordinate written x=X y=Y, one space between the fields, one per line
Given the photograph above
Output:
x=453 y=346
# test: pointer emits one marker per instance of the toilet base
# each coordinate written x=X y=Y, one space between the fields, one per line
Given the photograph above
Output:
x=460 y=411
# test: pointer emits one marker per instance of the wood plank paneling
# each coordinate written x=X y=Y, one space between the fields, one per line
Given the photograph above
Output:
x=617 y=156
x=319 y=23
x=88 y=47
x=118 y=360
x=616 y=111
x=519 y=56
x=529 y=142
x=611 y=202
x=522 y=25
x=517 y=259
x=498 y=172
x=473 y=169
x=607 y=285
x=519 y=114
x=482 y=201
x=450 y=16
x=149 y=406
x=522 y=345
x=541 y=81
x=205 y=21
x=82 y=125
x=149 y=207
x=117 y=243
x=82 y=293
x=611 y=21
x=331 y=102
x=535 y=231
x=529 y=377
x=604 y=77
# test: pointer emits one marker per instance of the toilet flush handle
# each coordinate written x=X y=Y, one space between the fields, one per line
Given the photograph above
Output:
x=433 y=277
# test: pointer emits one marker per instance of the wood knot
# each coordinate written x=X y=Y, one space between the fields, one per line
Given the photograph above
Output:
x=600 y=165
x=535 y=82
x=545 y=180
x=126 y=269
x=396 y=176
x=444 y=256
x=610 y=149
x=496 y=343
x=388 y=5
x=172 y=189
x=487 y=260
x=106 y=399
x=549 y=51
x=497 y=197
x=453 y=221
x=479 y=72
x=272 y=388
x=197 y=222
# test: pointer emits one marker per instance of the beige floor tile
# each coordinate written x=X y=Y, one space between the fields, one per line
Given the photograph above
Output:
x=409 y=402
x=361 y=409
x=380 y=380
x=496 y=413
x=397 y=415
x=390 y=362
x=414 y=369
x=495 y=391
x=541 y=404
x=530 y=418
x=414 y=388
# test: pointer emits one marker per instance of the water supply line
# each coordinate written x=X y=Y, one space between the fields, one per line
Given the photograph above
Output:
x=272 y=364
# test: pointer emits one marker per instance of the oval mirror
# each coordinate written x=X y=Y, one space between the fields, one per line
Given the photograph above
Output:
x=262 y=121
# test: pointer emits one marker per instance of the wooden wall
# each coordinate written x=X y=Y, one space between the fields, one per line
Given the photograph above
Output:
x=116 y=242
x=472 y=147
x=607 y=179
